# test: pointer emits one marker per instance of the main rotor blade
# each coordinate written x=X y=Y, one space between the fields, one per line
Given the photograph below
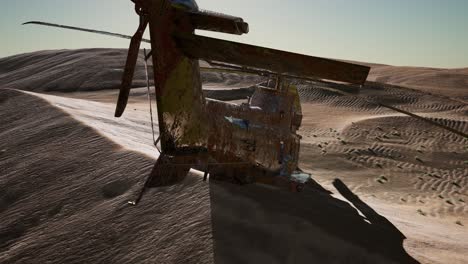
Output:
x=127 y=78
x=83 y=29
x=211 y=21
x=275 y=60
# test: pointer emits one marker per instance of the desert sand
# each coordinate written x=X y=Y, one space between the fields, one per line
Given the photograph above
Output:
x=386 y=188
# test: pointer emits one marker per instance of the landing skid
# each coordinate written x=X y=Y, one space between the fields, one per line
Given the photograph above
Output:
x=166 y=171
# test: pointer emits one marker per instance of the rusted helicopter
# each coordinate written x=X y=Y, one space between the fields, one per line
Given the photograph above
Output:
x=251 y=142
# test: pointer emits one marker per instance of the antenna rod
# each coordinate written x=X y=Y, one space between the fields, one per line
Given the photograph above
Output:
x=83 y=29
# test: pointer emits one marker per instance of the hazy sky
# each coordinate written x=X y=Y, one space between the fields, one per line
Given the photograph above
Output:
x=430 y=33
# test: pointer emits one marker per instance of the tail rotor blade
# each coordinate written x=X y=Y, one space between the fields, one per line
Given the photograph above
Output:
x=130 y=65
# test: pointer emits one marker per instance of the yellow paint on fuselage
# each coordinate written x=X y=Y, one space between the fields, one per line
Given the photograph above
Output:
x=182 y=104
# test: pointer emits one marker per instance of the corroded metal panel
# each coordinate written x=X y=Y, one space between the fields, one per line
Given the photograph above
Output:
x=261 y=132
x=179 y=93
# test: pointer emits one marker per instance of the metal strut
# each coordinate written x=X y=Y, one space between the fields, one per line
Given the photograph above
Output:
x=155 y=141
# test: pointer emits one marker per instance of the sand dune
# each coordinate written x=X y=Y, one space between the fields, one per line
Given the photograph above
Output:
x=387 y=188
x=64 y=193
x=86 y=70
x=447 y=82
x=65 y=70
x=100 y=69
x=192 y=222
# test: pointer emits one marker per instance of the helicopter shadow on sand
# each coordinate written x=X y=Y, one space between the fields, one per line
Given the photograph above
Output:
x=258 y=224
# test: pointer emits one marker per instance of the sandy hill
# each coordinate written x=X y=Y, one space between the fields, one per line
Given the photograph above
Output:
x=448 y=82
x=386 y=188
x=100 y=69
x=84 y=70
x=65 y=70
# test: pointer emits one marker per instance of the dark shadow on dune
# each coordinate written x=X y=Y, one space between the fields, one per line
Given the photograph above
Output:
x=257 y=224
x=8 y=197
x=16 y=230
x=116 y=188
x=393 y=246
x=64 y=190
x=53 y=209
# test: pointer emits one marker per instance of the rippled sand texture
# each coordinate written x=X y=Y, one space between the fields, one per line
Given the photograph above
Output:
x=386 y=188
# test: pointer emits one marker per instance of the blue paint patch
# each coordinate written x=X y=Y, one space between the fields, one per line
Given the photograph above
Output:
x=244 y=124
x=186 y=4
x=300 y=177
